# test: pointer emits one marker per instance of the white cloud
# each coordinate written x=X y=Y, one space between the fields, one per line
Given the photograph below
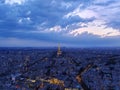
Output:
x=106 y=12
x=11 y=2
x=103 y=14
x=24 y=20
x=41 y=29
x=96 y=28
x=56 y=29
x=99 y=10
x=86 y=13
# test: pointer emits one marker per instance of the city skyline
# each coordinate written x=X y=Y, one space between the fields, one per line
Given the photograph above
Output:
x=45 y=23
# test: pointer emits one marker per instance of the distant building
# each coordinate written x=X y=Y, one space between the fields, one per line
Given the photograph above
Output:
x=59 y=52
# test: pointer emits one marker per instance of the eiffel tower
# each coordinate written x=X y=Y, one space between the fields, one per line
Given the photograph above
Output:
x=59 y=52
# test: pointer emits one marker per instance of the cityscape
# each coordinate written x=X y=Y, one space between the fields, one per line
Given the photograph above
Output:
x=59 y=68
x=59 y=44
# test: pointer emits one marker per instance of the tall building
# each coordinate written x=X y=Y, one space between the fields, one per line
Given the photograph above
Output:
x=59 y=52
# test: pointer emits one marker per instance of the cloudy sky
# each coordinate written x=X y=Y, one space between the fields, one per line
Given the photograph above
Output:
x=81 y=23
